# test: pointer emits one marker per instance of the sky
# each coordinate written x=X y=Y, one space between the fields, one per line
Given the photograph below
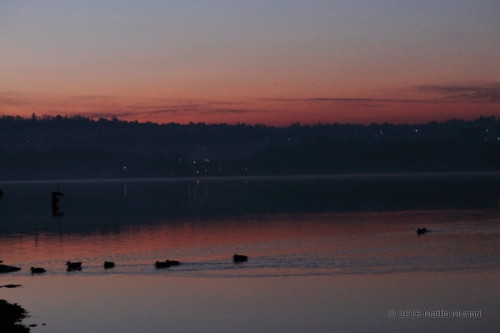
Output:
x=272 y=62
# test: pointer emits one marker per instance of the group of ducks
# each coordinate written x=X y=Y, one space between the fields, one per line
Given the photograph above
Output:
x=77 y=266
x=70 y=266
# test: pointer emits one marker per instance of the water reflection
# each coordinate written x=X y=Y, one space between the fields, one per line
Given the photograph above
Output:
x=278 y=245
x=343 y=303
x=316 y=249
x=109 y=205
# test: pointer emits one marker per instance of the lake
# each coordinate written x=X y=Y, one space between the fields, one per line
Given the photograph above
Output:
x=331 y=253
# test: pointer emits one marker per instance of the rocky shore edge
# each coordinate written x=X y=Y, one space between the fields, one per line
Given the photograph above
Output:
x=11 y=315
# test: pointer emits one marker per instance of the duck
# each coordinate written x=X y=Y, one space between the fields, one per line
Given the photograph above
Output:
x=167 y=263
x=37 y=270
x=239 y=258
x=421 y=231
x=109 y=264
x=173 y=262
x=161 y=264
x=73 y=266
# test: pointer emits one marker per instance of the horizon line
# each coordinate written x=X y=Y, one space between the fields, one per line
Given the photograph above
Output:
x=111 y=118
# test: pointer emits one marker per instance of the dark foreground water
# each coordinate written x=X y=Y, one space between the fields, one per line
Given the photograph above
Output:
x=326 y=254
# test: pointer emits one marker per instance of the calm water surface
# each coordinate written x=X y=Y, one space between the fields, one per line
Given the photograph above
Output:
x=326 y=254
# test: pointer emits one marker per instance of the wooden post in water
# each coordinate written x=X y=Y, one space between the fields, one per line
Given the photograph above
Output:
x=56 y=201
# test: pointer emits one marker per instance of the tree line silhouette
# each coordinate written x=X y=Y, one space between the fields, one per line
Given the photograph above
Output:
x=78 y=147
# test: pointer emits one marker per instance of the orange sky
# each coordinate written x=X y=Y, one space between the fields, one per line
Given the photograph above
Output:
x=273 y=62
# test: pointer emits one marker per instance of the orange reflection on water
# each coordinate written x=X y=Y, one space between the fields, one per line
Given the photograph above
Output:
x=325 y=243
x=310 y=272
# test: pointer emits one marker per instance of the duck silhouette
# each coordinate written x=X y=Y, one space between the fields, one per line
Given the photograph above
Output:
x=167 y=263
x=37 y=270
x=109 y=264
x=421 y=231
x=73 y=266
x=239 y=258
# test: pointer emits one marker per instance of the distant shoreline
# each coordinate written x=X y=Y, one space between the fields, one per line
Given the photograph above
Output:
x=80 y=148
x=402 y=175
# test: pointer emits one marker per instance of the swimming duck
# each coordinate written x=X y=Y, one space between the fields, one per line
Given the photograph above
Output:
x=37 y=270
x=109 y=264
x=167 y=263
x=73 y=266
x=239 y=258
x=421 y=231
